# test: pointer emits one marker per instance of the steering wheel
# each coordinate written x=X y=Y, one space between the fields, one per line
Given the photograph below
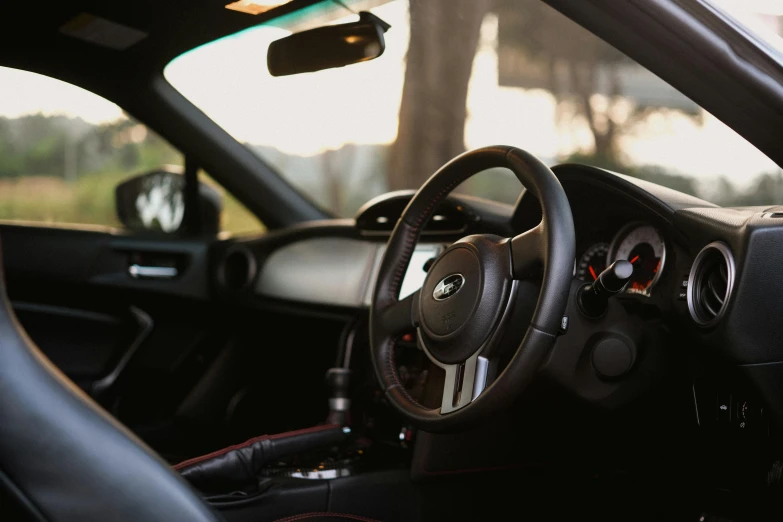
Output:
x=463 y=307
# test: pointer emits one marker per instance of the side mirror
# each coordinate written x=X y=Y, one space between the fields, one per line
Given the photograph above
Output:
x=155 y=202
x=328 y=47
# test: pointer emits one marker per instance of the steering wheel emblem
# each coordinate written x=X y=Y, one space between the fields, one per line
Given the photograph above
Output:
x=448 y=286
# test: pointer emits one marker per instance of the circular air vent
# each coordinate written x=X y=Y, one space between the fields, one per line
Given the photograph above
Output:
x=237 y=268
x=710 y=283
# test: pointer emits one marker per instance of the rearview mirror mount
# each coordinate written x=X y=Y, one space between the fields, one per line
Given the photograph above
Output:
x=328 y=47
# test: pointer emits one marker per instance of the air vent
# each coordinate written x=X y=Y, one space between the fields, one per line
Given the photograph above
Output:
x=237 y=270
x=380 y=215
x=710 y=283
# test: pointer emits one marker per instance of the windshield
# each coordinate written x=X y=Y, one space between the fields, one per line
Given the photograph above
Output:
x=461 y=74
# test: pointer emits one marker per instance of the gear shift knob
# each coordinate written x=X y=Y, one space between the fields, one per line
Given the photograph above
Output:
x=338 y=380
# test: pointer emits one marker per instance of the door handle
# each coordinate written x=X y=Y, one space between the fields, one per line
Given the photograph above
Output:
x=152 y=272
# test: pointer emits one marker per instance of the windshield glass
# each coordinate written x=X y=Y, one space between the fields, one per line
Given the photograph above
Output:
x=461 y=74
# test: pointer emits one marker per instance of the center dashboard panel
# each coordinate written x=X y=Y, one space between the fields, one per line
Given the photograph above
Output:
x=340 y=269
x=335 y=271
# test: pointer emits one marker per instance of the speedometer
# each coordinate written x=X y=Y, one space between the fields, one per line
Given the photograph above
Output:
x=643 y=246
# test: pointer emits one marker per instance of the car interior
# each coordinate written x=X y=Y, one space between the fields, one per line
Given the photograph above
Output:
x=562 y=339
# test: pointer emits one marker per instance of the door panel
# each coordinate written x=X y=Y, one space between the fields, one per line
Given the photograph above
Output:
x=137 y=345
x=104 y=259
x=186 y=371
x=92 y=348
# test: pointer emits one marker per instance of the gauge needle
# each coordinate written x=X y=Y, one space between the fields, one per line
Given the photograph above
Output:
x=592 y=272
x=635 y=259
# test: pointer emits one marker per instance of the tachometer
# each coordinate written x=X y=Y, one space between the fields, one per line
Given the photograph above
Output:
x=592 y=262
x=644 y=247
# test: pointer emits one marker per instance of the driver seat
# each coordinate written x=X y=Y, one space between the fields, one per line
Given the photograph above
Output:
x=62 y=458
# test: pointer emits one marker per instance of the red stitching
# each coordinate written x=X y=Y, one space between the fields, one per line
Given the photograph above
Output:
x=439 y=197
x=406 y=253
x=305 y=516
x=411 y=239
x=223 y=451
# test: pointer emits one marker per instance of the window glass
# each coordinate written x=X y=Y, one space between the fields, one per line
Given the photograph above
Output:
x=235 y=218
x=64 y=149
x=461 y=74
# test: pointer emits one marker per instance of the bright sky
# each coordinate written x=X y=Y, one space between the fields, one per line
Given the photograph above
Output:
x=306 y=114
x=22 y=92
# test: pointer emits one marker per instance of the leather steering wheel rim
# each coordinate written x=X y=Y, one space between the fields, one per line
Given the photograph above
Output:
x=550 y=245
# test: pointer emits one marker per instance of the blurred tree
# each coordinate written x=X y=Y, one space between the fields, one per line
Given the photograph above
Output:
x=652 y=173
x=766 y=189
x=443 y=41
x=660 y=176
x=569 y=60
x=722 y=192
x=333 y=174
x=539 y=47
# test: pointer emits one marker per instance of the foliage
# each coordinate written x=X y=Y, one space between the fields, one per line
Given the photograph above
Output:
x=56 y=169
x=765 y=189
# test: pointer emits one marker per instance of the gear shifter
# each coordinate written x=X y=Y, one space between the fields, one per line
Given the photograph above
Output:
x=593 y=298
x=338 y=381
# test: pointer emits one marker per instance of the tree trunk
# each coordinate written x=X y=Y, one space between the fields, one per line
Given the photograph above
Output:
x=443 y=42
x=334 y=178
x=604 y=130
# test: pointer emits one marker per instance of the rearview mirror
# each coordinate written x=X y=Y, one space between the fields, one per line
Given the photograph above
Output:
x=155 y=202
x=328 y=47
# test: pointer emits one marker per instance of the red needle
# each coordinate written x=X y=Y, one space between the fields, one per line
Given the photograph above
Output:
x=592 y=272
x=635 y=259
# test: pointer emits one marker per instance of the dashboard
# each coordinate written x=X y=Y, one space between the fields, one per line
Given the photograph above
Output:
x=352 y=265
x=700 y=272
x=335 y=263
x=296 y=271
x=696 y=326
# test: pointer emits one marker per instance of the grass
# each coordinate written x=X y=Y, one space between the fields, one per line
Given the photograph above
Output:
x=90 y=201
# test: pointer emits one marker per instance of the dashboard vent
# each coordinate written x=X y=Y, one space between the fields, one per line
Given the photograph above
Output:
x=710 y=283
x=380 y=215
x=237 y=269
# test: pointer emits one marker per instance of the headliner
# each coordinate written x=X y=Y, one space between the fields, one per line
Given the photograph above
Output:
x=32 y=39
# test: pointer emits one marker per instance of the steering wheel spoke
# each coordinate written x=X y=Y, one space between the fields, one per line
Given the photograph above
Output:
x=402 y=316
x=464 y=382
x=527 y=251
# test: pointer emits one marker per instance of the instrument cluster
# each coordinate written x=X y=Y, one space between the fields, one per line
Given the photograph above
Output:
x=638 y=243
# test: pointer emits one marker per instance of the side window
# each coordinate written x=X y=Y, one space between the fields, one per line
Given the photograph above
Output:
x=64 y=150
x=235 y=218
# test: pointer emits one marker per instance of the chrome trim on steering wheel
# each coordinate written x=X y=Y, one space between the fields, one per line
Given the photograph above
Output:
x=475 y=374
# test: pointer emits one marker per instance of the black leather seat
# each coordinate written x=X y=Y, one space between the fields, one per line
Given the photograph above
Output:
x=62 y=458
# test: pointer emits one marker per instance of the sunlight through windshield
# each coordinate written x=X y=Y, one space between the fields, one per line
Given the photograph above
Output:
x=460 y=74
